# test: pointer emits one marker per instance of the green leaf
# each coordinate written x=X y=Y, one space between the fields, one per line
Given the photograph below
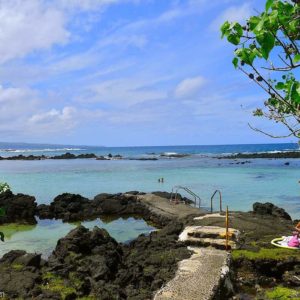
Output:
x=225 y=28
x=295 y=96
x=253 y=21
x=235 y=62
x=267 y=43
x=269 y=4
x=260 y=26
x=233 y=39
x=245 y=54
x=238 y=28
x=296 y=58
x=280 y=86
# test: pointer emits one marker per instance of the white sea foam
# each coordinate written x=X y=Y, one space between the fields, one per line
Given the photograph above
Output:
x=41 y=150
x=169 y=153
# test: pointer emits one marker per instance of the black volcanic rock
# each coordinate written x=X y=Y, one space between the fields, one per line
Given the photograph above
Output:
x=93 y=256
x=287 y=154
x=270 y=209
x=20 y=273
x=23 y=157
x=68 y=207
x=72 y=207
x=67 y=155
x=18 y=208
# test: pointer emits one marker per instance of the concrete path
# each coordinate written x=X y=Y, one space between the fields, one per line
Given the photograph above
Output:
x=213 y=236
x=198 y=277
x=163 y=206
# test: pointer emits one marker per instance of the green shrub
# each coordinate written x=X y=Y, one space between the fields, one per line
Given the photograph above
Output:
x=4 y=187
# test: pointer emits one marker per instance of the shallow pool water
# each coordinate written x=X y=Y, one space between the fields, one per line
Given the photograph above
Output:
x=42 y=237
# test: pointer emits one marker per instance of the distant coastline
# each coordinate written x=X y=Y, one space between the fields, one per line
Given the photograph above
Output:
x=154 y=156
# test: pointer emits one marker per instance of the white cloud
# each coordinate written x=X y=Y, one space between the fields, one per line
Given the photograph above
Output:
x=189 y=87
x=54 y=115
x=16 y=106
x=124 y=92
x=232 y=14
x=90 y=4
x=27 y=26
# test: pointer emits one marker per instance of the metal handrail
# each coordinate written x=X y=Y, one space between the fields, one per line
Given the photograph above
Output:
x=211 y=200
x=178 y=187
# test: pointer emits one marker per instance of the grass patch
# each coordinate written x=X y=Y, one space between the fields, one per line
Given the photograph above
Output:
x=282 y=293
x=55 y=283
x=264 y=253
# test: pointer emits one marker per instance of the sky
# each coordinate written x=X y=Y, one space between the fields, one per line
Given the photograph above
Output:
x=125 y=72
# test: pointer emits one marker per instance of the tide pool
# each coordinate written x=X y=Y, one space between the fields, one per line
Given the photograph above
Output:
x=42 y=237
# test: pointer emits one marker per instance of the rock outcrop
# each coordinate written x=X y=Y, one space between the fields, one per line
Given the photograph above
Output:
x=20 y=274
x=91 y=263
x=18 y=208
x=271 y=210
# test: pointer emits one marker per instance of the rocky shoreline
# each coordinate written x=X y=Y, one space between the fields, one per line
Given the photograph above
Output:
x=89 y=264
x=69 y=155
x=266 y=155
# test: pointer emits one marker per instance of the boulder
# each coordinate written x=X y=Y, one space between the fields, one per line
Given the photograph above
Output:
x=68 y=207
x=270 y=209
x=18 y=208
x=93 y=256
x=20 y=274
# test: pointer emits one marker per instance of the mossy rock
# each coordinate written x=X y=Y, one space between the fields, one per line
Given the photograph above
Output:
x=266 y=254
x=17 y=267
x=56 y=284
x=282 y=293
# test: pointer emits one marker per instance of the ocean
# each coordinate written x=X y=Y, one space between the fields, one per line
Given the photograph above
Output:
x=241 y=185
x=263 y=180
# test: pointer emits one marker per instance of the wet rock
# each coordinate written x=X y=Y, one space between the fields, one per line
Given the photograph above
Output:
x=270 y=209
x=18 y=208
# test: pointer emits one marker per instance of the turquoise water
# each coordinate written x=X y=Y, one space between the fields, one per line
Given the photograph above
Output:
x=241 y=185
x=42 y=238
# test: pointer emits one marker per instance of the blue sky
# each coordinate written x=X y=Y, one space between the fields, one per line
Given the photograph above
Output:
x=124 y=72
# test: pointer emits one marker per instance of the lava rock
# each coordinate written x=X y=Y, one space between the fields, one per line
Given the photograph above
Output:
x=270 y=209
x=18 y=208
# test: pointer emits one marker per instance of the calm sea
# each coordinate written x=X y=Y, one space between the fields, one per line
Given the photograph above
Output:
x=241 y=184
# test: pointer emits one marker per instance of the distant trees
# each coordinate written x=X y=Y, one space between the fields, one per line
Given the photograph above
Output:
x=268 y=52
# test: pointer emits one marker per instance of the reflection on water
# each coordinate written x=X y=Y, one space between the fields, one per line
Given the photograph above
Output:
x=42 y=238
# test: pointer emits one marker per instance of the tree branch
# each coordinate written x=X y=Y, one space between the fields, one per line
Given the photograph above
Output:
x=268 y=134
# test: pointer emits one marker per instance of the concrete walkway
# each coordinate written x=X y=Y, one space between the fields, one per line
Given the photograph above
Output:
x=163 y=206
x=198 y=277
